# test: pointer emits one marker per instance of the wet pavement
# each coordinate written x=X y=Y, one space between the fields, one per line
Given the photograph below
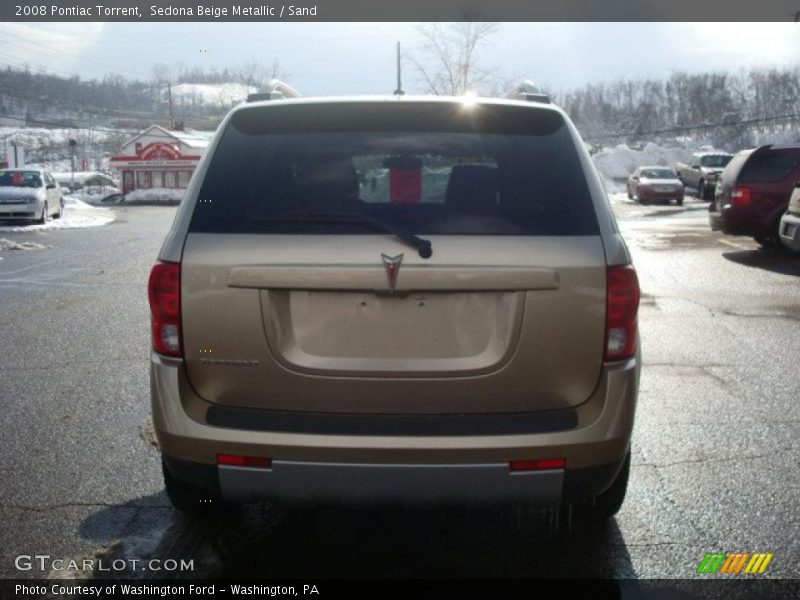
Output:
x=714 y=454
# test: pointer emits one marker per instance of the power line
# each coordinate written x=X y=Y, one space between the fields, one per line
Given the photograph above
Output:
x=90 y=109
x=690 y=128
x=66 y=126
x=57 y=52
x=23 y=65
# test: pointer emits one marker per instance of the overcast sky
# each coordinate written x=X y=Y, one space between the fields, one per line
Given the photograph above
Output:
x=347 y=58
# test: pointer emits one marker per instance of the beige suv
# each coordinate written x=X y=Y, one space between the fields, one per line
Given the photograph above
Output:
x=403 y=299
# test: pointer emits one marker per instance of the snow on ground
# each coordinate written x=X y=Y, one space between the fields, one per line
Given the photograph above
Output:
x=6 y=244
x=215 y=94
x=77 y=215
x=613 y=188
x=617 y=197
x=167 y=195
x=35 y=137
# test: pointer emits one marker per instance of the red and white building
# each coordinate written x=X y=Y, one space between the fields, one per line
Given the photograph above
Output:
x=158 y=158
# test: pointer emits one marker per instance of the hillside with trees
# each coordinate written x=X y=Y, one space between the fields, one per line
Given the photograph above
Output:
x=734 y=110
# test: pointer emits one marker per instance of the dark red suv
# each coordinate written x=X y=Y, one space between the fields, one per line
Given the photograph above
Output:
x=753 y=192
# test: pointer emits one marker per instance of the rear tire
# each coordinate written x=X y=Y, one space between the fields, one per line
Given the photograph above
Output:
x=679 y=201
x=605 y=505
x=701 y=191
x=564 y=518
x=773 y=239
x=190 y=499
x=60 y=209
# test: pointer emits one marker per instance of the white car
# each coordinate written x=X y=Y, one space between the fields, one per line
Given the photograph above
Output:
x=790 y=223
x=30 y=194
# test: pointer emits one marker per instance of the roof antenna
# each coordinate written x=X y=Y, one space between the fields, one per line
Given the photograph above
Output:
x=399 y=91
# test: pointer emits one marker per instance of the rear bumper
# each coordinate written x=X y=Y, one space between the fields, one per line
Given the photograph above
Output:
x=737 y=221
x=660 y=195
x=312 y=467
x=790 y=231
x=337 y=483
x=20 y=211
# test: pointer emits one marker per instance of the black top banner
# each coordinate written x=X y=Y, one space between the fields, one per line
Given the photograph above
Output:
x=401 y=10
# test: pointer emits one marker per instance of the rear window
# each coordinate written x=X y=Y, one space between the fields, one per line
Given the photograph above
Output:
x=29 y=179
x=428 y=168
x=715 y=161
x=769 y=166
x=658 y=174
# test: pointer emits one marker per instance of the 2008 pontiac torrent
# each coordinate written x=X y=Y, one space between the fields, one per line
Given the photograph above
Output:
x=400 y=299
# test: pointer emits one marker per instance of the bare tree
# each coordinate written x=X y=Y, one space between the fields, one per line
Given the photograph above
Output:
x=447 y=57
x=499 y=84
x=163 y=73
x=256 y=74
x=276 y=71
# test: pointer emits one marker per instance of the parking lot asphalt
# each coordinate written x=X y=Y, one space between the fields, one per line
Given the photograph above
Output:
x=715 y=446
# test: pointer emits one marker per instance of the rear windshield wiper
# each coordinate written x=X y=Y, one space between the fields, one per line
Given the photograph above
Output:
x=423 y=246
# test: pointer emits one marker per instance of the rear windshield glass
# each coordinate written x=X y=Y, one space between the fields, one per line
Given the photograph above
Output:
x=429 y=168
x=30 y=179
x=716 y=161
x=769 y=166
x=658 y=174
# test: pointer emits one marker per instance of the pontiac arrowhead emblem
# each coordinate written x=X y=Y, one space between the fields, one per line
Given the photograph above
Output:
x=392 y=266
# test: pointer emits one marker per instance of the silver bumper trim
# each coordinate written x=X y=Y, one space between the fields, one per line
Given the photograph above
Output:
x=314 y=481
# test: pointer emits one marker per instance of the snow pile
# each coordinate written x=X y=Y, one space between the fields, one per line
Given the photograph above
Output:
x=65 y=178
x=618 y=162
x=615 y=164
x=76 y=202
x=6 y=244
x=77 y=215
x=166 y=195
x=214 y=94
x=97 y=195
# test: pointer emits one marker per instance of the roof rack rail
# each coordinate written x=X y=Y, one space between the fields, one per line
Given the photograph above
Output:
x=276 y=90
x=529 y=91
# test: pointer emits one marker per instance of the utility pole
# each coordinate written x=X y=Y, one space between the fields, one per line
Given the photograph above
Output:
x=399 y=91
x=169 y=97
x=5 y=150
x=72 y=144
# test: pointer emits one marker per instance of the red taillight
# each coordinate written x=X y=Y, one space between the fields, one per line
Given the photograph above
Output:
x=243 y=461
x=537 y=465
x=622 y=305
x=164 y=292
x=741 y=196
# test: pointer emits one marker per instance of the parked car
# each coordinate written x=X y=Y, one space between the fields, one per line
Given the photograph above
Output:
x=422 y=300
x=647 y=184
x=702 y=174
x=753 y=193
x=790 y=222
x=30 y=194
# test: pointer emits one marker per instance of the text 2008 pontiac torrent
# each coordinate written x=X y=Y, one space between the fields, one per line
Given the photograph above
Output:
x=401 y=299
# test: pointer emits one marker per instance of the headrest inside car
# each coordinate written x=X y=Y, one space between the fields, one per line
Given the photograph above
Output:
x=472 y=189
x=333 y=178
